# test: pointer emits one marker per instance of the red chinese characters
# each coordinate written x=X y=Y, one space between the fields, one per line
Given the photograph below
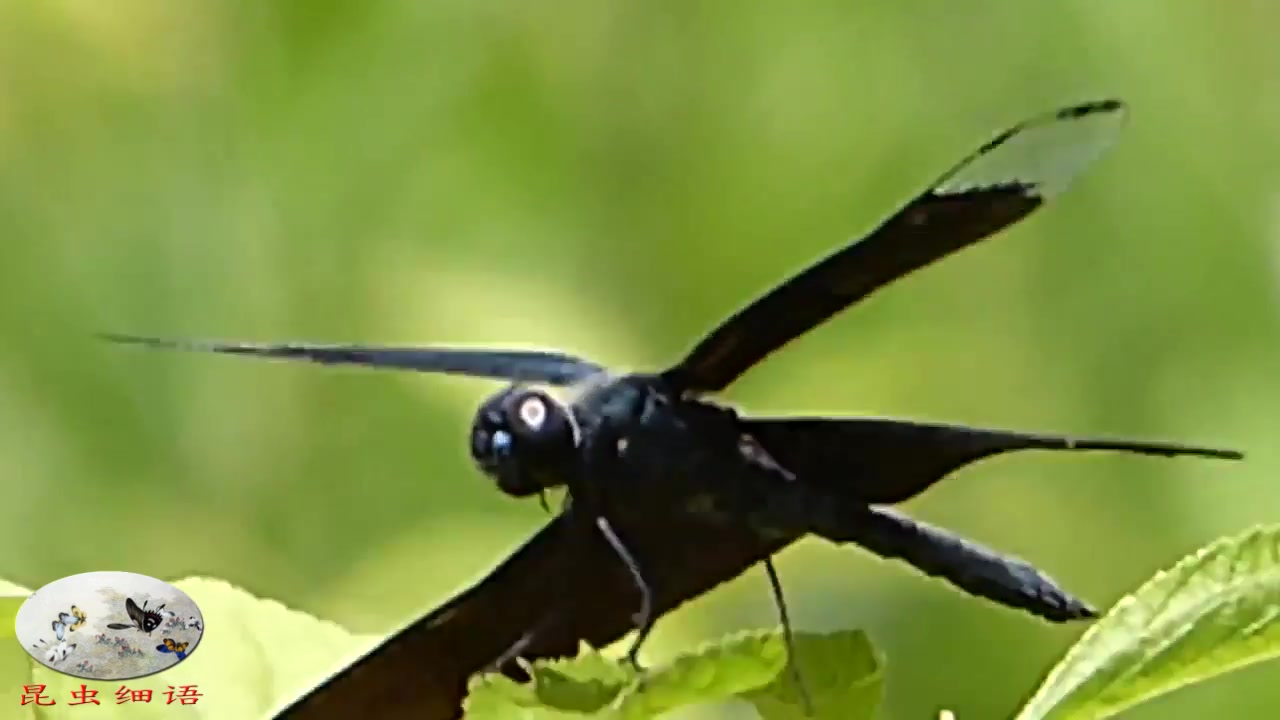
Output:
x=185 y=694
x=180 y=695
x=124 y=695
x=35 y=694
x=84 y=696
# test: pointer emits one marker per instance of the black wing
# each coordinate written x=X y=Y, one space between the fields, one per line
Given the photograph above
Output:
x=995 y=187
x=136 y=614
x=883 y=461
x=537 y=366
x=978 y=570
x=564 y=584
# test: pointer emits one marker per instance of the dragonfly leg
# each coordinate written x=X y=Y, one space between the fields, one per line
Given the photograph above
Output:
x=516 y=650
x=644 y=619
x=793 y=665
x=588 y=489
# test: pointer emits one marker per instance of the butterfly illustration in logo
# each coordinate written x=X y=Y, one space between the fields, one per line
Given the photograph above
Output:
x=66 y=622
x=172 y=646
x=57 y=652
x=72 y=621
x=142 y=618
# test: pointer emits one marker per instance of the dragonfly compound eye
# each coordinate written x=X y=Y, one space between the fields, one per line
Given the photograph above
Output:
x=521 y=439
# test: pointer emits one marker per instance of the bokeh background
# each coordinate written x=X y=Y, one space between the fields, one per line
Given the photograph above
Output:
x=613 y=179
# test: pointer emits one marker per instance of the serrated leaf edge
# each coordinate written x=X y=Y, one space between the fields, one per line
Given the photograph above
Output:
x=1068 y=663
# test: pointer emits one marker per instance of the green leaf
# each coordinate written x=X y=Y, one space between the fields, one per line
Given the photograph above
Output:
x=841 y=670
x=718 y=670
x=1215 y=611
x=575 y=687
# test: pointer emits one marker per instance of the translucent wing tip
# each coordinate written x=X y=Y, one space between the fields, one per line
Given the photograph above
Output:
x=286 y=351
x=1044 y=154
x=173 y=344
x=1216 y=453
x=1164 y=449
x=125 y=339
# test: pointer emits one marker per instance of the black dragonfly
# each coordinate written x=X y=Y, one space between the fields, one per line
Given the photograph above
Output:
x=670 y=494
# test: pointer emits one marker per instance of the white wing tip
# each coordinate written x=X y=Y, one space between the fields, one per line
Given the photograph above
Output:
x=1043 y=154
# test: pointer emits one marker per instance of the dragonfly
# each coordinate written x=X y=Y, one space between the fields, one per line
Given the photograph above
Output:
x=670 y=493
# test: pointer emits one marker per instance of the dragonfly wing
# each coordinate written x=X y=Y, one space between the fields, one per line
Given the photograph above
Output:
x=1001 y=183
x=973 y=568
x=886 y=461
x=534 y=366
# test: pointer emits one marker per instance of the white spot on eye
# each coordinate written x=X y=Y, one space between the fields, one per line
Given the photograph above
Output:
x=533 y=413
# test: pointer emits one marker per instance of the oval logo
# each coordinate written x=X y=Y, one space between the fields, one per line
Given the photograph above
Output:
x=109 y=625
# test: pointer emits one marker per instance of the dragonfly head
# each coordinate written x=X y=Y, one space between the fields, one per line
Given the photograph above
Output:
x=522 y=438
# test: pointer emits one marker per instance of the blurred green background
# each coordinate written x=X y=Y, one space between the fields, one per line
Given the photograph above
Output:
x=613 y=179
